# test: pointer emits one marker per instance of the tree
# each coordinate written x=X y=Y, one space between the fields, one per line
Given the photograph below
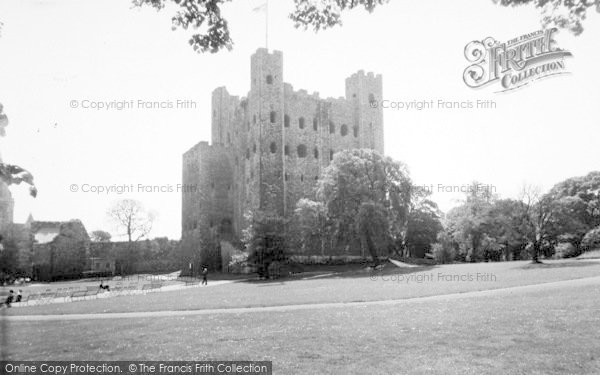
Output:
x=264 y=240
x=211 y=29
x=13 y=174
x=130 y=216
x=424 y=223
x=591 y=240
x=467 y=224
x=100 y=236
x=366 y=197
x=547 y=217
x=310 y=227
x=564 y=14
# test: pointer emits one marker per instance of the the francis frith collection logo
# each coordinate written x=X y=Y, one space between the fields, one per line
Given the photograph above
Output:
x=515 y=63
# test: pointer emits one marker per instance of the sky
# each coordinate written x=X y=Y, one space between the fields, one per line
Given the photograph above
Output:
x=54 y=53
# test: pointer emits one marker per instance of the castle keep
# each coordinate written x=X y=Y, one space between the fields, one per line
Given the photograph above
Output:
x=269 y=148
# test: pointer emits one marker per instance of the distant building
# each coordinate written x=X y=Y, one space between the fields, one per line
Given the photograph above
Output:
x=269 y=148
x=60 y=250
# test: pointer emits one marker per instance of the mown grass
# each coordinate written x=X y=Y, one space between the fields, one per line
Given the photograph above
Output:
x=354 y=285
x=549 y=331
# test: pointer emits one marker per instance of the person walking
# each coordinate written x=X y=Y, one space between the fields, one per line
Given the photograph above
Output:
x=204 y=275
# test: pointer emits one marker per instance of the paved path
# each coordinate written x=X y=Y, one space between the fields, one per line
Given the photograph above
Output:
x=177 y=313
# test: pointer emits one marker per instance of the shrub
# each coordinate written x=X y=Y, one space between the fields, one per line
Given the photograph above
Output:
x=591 y=240
x=565 y=250
x=442 y=254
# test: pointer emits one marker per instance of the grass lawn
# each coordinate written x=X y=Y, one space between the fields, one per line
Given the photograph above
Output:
x=354 y=285
x=550 y=331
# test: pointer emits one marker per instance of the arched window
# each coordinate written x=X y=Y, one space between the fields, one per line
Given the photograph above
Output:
x=301 y=151
x=315 y=124
x=301 y=122
x=286 y=150
x=269 y=79
x=344 y=130
x=330 y=154
x=331 y=127
x=316 y=153
x=273 y=117
x=273 y=147
x=355 y=131
x=286 y=121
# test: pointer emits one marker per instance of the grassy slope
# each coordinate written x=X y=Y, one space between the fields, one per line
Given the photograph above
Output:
x=352 y=286
x=544 y=332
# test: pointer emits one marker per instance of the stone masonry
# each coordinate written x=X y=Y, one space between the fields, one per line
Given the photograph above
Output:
x=269 y=147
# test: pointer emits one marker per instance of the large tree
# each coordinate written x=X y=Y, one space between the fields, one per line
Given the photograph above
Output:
x=211 y=29
x=132 y=219
x=13 y=174
x=366 y=196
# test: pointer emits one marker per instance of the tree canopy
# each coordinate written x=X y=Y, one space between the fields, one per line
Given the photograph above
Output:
x=211 y=29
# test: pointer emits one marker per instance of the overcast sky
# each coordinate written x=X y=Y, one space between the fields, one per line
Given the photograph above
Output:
x=53 y=52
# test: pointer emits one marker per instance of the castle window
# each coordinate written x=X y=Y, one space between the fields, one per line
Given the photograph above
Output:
x=315 y=124
x=330 y=154
x=212 y=185
x=254 y=148
x=301 y=151
x=371 y=98
x=286 y=121
x=228 y=138
x=355 y=131
x=331 y=127
x=247 y=153
x=301 y=122
x=237 y=161
x=273 y=117
x=254 y=119
x=269 y=79
x=287 y=177
x=286 y=150
x=301 y=177
x=273 y=147
x=354 y=95
x=316 y=153
x=344 y=130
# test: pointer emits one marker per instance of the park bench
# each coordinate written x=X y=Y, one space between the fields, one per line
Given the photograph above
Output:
x=152 y=287
x=46 y=296
x=78 y=294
